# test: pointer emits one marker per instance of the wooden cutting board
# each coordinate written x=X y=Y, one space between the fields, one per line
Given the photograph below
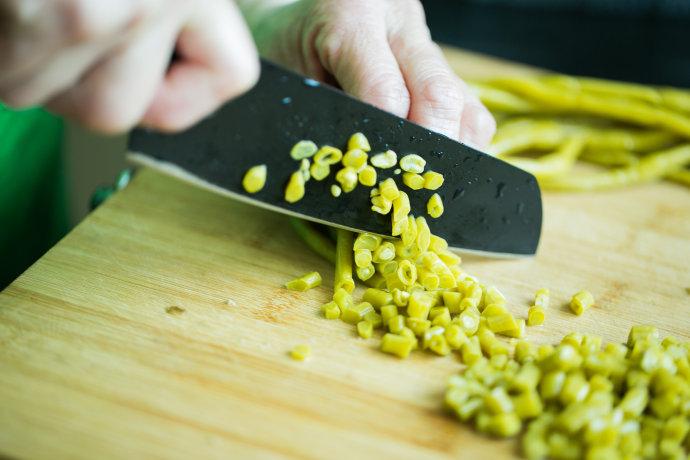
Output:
x=121 y=343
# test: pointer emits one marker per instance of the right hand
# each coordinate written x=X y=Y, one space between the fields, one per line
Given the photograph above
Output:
x=381 y=52
x=106 y=63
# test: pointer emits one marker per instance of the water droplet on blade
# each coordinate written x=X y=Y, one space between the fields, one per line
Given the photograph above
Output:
x=499 y=189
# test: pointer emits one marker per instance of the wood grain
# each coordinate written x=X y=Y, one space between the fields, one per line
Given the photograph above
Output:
x=94 y=362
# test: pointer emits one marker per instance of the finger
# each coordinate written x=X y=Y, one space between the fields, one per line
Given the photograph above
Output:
x=435 y=99
x=360 y=58
x=29 y=32
x=37 y=30
x=115 y=94
x=477 y=125
x=53 y=76
x=218 y=61
x=89 y=20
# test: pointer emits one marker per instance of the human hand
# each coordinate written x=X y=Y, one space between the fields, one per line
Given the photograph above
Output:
x=377 y=50
x=106 y=63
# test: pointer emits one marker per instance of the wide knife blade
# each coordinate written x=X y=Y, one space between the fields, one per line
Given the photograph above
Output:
x=490 y=206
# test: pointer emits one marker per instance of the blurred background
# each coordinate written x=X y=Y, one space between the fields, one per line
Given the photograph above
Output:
x=642 y=41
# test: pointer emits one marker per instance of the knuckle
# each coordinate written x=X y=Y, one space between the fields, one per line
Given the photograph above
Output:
x=389 y=93
x=330 y=40
x=335 y=29
x=441 y=94
x=83 y=20
x=78 y=20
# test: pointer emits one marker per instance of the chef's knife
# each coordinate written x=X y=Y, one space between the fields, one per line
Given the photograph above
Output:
x=490 y=206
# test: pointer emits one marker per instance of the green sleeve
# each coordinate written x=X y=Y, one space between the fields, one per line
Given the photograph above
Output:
x=33 y=211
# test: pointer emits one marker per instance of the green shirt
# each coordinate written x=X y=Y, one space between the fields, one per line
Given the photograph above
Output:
x=33 y=211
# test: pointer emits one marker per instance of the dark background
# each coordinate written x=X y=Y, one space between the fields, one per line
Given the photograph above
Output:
x=646 y=41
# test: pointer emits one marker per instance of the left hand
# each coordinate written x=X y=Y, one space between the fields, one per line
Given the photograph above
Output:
x=377 y=50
